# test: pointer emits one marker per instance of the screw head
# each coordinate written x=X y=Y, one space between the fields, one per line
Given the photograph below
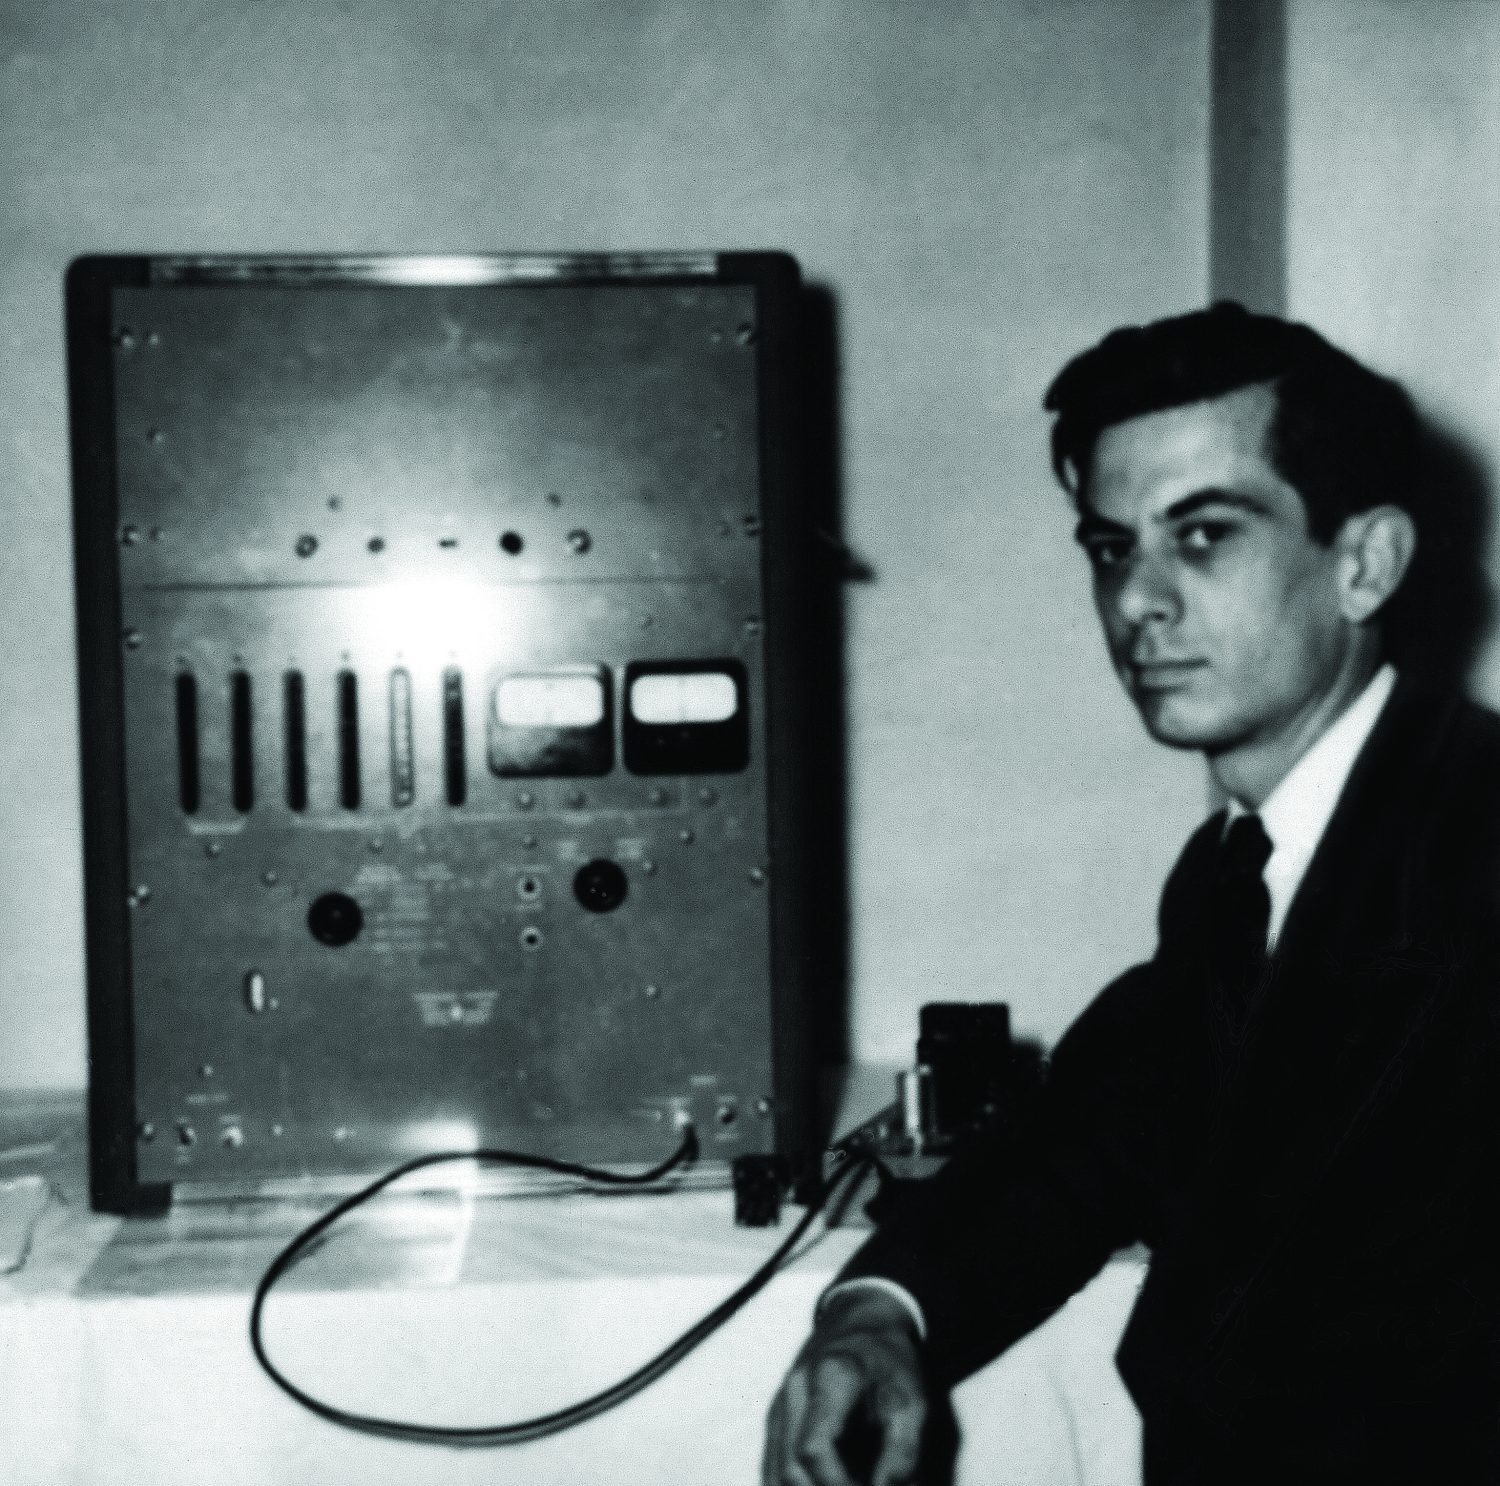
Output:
x=525 y=800
x=651 y=992
x=757 y=875
x=213 y=849
x=133 y=639
x=306 y=545
x=686 y=837
x=129 y=535
x=763 y=1106
x=648 y=867
x=269 y=878
x=579 y=540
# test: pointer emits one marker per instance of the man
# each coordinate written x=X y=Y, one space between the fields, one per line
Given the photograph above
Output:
x=1296 y=1103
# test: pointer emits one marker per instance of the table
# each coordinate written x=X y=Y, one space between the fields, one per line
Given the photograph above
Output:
x=124 y=1358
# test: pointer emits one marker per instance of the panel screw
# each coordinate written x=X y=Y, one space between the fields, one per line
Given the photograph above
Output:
x=708 y=796
x=206 y=1071
x=553 y=498
x=278 y=1131
x=657 y=796
x=525 y=800
x=153 y=338
x=307 y=544
x=232 y=1137
x=155 y=436
x=686 y=837
x=750 y=525
x=140 y=895
x=648 y=867
x=133 y=639
x=757 y=875
x=335 y=503
x=129 y=536
x=753 y=624
x=212 y=849
x=651 y=992
x=763 y=1106
x=341 y=1133
x=269 y=878
x=146 y=1130
x=376 y=544
x=125 y=338
x=744 y=333
x=579 y=540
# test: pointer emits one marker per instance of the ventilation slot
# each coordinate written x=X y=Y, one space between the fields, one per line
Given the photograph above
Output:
x=455 y=772
x=189 y=788
x=241 y=743
x=403 y=786
x=348 y=740
x=294 y=723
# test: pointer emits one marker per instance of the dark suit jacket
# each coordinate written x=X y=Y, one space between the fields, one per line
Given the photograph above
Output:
x=1317 y=1186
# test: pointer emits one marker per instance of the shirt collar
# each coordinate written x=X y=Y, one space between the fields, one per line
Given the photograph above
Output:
x=1297 y=811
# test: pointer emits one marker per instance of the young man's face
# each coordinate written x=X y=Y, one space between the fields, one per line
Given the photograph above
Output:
x=1221 y=612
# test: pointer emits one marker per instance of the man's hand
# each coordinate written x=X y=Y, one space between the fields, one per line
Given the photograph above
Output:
x=862 y=1366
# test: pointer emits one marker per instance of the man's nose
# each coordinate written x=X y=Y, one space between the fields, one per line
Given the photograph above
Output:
x=1146 y=592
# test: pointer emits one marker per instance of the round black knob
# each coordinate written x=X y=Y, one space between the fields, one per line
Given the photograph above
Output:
x=335 y=919
x=600 y=885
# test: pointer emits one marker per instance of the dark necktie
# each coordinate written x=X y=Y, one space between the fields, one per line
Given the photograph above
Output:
x=1240 y=912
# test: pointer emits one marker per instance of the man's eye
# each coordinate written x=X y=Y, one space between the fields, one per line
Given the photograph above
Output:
x=1106 y=554
x=1202 y=536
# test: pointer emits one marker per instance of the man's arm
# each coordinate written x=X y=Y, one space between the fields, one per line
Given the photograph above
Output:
x=988 y=1249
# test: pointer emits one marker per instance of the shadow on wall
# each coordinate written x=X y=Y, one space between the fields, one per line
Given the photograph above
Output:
x=1443 y=611
x=825 y=834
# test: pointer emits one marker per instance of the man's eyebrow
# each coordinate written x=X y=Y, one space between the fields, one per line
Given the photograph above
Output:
x=1092 y=525
x=1191 y=504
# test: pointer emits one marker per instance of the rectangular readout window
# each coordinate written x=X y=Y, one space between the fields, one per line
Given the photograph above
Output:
x=556 y=722
x=686 y=717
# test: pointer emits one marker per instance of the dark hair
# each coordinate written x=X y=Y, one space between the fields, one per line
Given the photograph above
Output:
x=1344 y=437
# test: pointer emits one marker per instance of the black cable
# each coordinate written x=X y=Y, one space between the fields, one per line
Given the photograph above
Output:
x=560 y=1419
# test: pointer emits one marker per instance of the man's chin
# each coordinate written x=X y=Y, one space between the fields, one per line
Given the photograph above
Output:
x=1171 y=720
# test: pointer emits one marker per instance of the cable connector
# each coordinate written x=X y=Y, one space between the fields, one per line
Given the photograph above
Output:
x=760 y=1182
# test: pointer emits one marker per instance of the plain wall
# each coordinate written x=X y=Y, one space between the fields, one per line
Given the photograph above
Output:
x=984 y=188
x=1393 y=207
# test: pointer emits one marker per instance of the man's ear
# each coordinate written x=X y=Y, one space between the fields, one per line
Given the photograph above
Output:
x=1375 y=549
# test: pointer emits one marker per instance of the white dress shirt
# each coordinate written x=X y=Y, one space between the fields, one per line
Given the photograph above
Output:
x=1297 y=811
x=1295 y=815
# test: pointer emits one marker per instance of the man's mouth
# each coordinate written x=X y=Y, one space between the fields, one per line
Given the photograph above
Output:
x=1163 y=675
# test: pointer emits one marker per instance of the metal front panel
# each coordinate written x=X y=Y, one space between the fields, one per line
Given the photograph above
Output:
x=385 y=493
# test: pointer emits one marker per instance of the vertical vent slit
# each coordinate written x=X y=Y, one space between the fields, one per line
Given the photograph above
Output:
x=294 y=722
x=403 y=784
x=189 y=785
x=455 y=773
x=349 y=740
x=241 y=743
